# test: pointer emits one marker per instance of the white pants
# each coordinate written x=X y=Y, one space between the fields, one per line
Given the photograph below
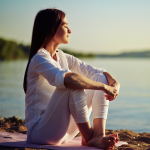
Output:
x=66 y=108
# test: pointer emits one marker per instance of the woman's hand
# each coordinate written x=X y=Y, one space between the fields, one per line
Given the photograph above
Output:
x=116 y=85
x=112 y=83
x=112 y=91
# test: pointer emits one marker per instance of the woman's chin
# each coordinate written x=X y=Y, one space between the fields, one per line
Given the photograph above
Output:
x=65 y=42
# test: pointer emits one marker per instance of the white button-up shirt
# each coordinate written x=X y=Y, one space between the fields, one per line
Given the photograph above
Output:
x=44 y=75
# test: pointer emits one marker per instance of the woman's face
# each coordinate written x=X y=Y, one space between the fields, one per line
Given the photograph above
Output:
x=62 y=34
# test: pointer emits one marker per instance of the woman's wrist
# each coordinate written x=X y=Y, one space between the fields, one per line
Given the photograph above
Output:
x=104 y=87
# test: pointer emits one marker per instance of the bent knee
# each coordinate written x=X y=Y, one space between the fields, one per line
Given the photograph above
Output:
x=99 y=77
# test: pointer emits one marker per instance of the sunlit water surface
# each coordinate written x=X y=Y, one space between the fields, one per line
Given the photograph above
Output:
x=130 y=110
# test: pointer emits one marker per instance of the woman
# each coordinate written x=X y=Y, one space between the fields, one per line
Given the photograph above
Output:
x=61 y=90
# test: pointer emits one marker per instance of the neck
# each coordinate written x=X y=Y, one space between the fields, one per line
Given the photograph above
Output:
x=51 y=48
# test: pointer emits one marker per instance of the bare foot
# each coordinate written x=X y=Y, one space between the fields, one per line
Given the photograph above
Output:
x=102 y=142
x=83 y=142
x=114 y=135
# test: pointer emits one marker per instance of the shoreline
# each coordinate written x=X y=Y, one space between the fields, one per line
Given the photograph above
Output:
x=140 y=141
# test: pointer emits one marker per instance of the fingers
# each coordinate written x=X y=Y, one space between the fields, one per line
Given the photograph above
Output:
x=111 y=93
x=110 y=98
x=115 y=91
x=117 y=88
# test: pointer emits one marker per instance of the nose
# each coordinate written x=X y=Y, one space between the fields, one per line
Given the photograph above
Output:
x=69 y=31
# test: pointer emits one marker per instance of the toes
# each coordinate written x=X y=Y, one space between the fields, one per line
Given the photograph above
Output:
x=111 y=138
x=109 y=142
x=103 y=142
x=114 y=135
x=112 y=141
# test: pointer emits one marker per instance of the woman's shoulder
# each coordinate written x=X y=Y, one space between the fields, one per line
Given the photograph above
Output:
x=61 y=53
x=64 y=54
x=41 y=53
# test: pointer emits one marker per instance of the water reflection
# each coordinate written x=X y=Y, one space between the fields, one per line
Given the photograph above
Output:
x=129 y=111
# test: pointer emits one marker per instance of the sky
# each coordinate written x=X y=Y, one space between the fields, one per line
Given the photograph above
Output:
x=98 y=26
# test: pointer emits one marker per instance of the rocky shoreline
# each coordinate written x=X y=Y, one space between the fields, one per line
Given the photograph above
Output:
x=136 y=141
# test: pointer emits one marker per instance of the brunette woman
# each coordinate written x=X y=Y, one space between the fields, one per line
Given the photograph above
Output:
x=61 y=90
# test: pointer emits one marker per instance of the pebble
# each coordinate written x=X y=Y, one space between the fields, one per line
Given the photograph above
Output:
x=1 y=118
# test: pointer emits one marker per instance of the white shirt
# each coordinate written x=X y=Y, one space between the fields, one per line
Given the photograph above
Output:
x=44 y=75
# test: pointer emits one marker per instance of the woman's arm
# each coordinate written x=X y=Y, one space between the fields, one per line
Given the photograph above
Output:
x=76 y=81
x=112 y=82
x=78 y=66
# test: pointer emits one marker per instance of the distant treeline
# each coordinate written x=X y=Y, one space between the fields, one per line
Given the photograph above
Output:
x=79 y=54
x=11 y=50
x=128 y=54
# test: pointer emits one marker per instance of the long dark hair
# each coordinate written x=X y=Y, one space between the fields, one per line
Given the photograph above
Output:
x=45 y=26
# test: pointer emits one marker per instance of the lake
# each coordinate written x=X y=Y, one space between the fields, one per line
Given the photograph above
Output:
x=130 y=110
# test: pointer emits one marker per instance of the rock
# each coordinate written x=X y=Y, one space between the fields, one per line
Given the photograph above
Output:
x=1 y=118
x=22 y=129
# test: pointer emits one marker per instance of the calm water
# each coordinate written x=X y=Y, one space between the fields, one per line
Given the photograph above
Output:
x=130 y=110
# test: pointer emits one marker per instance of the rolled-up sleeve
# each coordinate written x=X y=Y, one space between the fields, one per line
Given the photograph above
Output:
x=78 y=66
x=44 y=65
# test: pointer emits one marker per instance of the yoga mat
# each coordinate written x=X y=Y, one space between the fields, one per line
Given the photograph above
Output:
x=19 y=140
